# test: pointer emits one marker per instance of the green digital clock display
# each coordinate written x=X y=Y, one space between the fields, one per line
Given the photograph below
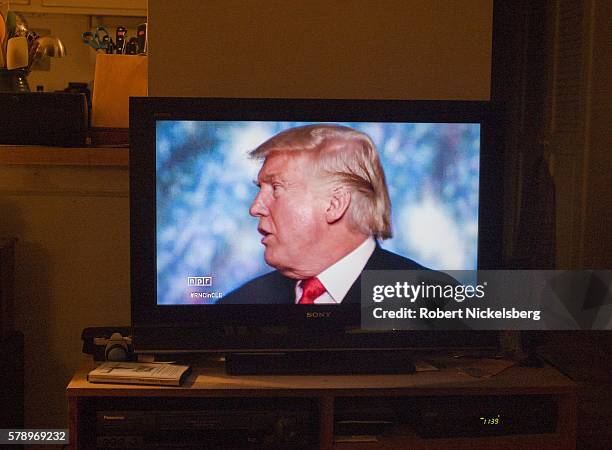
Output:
x=490 y=420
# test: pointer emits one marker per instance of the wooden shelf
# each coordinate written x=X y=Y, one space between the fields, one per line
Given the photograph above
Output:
x=63 y=156
x=522 y=442
x=211 y=381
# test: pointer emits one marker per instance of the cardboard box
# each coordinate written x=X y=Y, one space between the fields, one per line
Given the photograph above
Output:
x=116 y=79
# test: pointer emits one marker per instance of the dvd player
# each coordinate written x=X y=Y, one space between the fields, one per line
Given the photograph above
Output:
x=210 y=424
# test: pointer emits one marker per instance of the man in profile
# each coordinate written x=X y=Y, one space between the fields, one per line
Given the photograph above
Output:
x=322 y=207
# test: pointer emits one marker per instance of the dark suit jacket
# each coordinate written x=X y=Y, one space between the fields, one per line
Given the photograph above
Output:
x=274 y=288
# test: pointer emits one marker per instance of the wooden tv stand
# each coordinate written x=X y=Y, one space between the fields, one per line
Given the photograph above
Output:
x=211 y=382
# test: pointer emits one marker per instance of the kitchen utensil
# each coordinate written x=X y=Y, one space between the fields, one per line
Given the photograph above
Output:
x=120 y=34
x=99 y=40
x=108 y=43
x=47 y=46
x=111 y=46
x=141 y=34
x=21 y=25
x=17 y=53
x=22 y=29
x=3 y=14
x=32 y=38
x=32 y=56
x=131 y=48
x=2 y=27
x=11 y=22
x=50 y=46
x=2 y=34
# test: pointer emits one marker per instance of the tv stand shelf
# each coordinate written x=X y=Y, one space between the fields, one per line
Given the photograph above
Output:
x=211 y=382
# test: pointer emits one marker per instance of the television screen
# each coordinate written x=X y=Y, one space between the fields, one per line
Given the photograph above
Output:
x=207 y=239
x=223 y=225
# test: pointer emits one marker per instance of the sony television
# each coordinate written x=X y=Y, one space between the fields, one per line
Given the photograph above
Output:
x=195 y=238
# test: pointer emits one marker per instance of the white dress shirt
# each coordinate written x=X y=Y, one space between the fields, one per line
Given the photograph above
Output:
x=340 y=276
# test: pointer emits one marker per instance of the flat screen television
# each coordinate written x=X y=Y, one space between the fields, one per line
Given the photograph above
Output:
x=194 y=231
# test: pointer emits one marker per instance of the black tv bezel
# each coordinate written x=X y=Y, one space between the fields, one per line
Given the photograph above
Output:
x=201 y=327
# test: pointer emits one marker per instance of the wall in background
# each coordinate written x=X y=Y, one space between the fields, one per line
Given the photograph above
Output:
x=71 y=270
x=410 y=49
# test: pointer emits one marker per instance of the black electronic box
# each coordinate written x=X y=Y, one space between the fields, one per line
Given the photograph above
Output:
x=217 y=423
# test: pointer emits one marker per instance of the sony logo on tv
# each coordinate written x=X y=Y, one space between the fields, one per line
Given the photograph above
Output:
x=318 y=315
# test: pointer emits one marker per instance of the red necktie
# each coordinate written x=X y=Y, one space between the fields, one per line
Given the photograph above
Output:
x=311 y=289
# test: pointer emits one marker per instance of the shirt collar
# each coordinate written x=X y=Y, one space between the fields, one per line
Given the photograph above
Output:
x=340 y=276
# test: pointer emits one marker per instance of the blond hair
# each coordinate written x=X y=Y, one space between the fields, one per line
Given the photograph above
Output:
x=348 y=157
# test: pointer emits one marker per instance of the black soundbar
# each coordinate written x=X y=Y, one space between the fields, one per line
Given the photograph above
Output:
x=319 y=363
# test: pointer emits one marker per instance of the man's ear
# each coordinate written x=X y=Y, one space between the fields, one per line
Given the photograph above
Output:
x=338 y=204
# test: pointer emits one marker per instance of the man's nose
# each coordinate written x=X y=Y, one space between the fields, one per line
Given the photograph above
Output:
x=258 y=207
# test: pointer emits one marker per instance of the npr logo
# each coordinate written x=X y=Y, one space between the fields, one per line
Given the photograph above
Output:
x=199 y=281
